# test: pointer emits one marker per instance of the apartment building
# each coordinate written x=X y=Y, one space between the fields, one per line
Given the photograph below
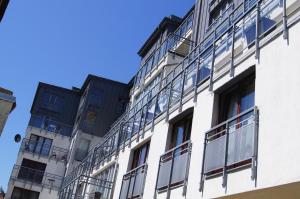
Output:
x=63 y=126
x=3 y=6
x=7 y=105
x=213 y=110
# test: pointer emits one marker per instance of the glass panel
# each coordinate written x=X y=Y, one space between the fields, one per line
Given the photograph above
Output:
x=214 y=154
x=190 y=78
x=176 y=90
x=162 y=102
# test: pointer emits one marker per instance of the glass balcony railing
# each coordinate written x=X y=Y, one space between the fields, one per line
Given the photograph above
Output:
x=43 y=149
x=50 y=125
x=133 y=183
x=231 y=145
x=37 y=177
x=173 y=168
x=172 y=40
x=223 y=47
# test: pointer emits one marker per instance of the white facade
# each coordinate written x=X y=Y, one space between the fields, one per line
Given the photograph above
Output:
x=276 y=91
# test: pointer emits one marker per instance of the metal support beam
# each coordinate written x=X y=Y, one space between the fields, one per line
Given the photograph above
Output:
x=257 y=30
x=232 y=52
x=203 y=163
x=284 y=20
x=196 y=79
x=182 y=89
x=224 y=183
x=212 y=64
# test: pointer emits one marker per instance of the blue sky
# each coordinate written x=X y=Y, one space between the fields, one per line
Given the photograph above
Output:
x=62 y=41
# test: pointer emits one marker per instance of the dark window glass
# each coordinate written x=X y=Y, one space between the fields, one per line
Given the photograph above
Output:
x=220 y=11
x=19 y=193
x=237 y=99
x=39 y=145
x=32 y=171
x=140 y=156
x=181 y=132
x=82 y=149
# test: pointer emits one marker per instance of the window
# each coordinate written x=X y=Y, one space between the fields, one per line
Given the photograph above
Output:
x=19 y=193
x=82 y=149
x=220 y=11
x=140 y=156
x=181 y=132
x=237 y=99
x=52 y=102
x=32 y=171
x=39 y=145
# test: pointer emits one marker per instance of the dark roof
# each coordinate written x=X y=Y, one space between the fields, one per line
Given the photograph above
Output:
x=171 y=20
x=3 y=6
x=97 y=78
x=42 y=84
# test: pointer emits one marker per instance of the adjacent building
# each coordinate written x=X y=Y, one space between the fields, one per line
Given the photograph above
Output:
x=7 y=105
x=3 y=6
x=212 y=111
x=63 y=126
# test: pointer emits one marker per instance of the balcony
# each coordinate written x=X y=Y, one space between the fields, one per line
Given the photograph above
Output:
x=36 y=177
x=133 y=183
x=231 y=146
x=50 y=126
x=172 y=43
x=173 y=169
x=43 y=150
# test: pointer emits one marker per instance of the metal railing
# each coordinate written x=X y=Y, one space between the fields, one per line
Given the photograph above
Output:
x=173 y=169
x=133 y=183
x=50 y=126
x=43 y=149
x=86 y=186
x=170 y=42
x=231 y=145
x=232 y=39
x=36 y=177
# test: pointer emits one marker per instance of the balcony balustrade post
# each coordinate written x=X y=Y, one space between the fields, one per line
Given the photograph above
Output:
x=284 y=20
x=170 y=176
x=255 y=148
x=182 y=88
x=257 y=30
x=198 y=62
x=187 y=169
x=224 y=183
x=203 y=164
x=212 y=63
x=232 y=51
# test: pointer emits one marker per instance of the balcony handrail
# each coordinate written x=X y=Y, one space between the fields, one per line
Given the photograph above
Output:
x=34 y=176
x=231 y=119
x=137 y=168
x=29 y=141
x=177 y=147
x=45 y=173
